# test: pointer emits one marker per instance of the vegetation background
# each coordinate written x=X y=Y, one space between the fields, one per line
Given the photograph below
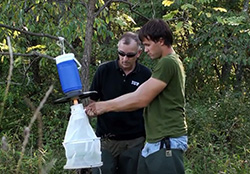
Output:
x=212 y=37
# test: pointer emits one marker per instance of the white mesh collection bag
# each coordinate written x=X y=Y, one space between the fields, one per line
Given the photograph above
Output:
x=80 y=142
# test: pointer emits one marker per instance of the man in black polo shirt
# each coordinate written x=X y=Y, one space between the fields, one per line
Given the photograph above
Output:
x=122 y=133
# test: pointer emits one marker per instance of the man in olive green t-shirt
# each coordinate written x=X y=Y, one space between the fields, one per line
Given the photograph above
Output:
x=165 y=116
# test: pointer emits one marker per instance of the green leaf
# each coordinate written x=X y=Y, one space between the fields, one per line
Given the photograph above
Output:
x=220 y=20
x=179 y=26
x=17 y=61
x=208 y=15
x=170 y=15
x=128 y=18
x=101 y=2
x=167 y=3
x=107 y=20
x=220 y=9
x=35 y=47
x=188 y=6
x=235 y=20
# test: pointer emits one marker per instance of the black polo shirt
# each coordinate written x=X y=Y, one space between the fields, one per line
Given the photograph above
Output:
x=110 y=82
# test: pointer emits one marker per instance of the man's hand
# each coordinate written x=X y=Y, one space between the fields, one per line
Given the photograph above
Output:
x=95 y=109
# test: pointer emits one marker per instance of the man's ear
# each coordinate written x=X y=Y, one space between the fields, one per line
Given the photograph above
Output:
x=161 y=40
x=139 y=53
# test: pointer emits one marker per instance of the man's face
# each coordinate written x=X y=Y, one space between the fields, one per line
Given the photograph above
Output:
x=128 y=55
x=153 y=49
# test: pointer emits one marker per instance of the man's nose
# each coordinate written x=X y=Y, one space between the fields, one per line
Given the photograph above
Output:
x=125 y=57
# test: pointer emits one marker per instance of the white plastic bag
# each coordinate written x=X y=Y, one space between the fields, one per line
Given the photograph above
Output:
x=83 y=149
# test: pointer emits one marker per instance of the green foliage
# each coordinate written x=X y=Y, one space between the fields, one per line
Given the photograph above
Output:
x=52 y=152
x=219 y=134
x=213 y=40
x=220 y=45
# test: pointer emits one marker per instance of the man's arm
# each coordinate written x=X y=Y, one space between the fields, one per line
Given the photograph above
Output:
x=131 y=101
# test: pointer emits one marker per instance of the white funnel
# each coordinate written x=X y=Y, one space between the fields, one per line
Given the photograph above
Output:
x=83 y=148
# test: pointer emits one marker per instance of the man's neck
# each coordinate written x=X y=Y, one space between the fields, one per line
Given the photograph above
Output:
x=127 y=71
x=167 y=50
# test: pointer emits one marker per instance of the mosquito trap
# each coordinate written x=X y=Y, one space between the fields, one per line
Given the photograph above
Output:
x=82 y=146
x=80 y=142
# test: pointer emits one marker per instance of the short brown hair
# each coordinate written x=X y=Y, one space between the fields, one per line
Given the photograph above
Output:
x=155 y=29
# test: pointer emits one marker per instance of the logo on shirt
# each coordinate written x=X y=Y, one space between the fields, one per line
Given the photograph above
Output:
x=135 y=83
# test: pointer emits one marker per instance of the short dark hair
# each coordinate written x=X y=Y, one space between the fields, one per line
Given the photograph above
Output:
x=128 y=36
x=155 y=29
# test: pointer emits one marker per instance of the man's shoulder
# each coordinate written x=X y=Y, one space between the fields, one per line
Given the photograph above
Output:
x=171 y=57
x=107 y=64
x=169 y=60
x=144 y=68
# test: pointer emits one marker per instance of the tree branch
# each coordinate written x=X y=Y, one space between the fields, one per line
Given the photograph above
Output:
x=40 y=130
x=104 y=6
x=85 y=4
x=40 y=35
x=8 y=78
x=33 y=53
x=12 y=83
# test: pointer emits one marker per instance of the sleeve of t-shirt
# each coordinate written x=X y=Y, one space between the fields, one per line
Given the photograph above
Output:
x=164 y=70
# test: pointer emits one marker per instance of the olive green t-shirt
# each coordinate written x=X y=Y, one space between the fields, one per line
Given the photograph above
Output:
x=165 y=115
